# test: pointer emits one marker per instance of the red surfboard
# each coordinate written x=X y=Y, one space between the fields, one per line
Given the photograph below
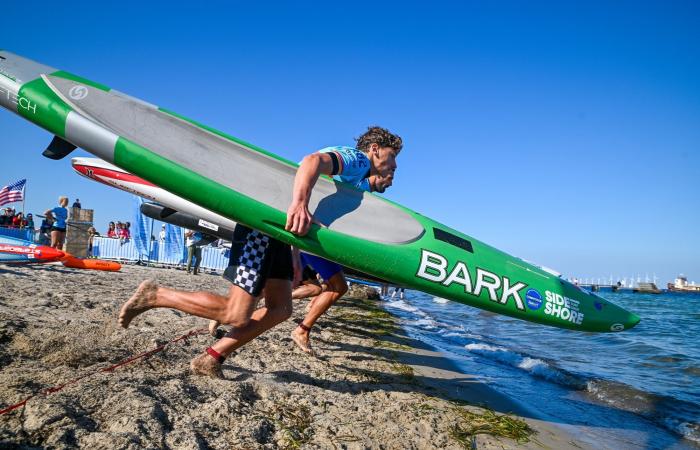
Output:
x=29 y=253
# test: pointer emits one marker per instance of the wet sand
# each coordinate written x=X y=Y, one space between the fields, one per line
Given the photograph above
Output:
x=368 y=386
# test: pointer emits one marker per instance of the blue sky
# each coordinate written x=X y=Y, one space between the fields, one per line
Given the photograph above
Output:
x=564 y=133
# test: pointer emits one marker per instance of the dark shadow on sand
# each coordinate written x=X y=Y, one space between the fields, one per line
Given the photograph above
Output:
x=4 y=270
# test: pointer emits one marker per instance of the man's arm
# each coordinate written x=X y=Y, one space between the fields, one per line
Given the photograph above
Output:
x=312 y=166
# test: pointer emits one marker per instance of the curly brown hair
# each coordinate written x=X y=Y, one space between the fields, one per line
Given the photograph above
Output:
x=380 y=136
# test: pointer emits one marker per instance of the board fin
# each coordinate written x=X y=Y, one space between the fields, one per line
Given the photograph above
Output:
x=58 y=148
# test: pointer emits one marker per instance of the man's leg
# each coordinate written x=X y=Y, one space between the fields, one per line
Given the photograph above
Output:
x=306 y=289
x=310 y=286
x=277 y=309
x=337 y=287
x=310 y=289
x=303 y=291
x=204 y=304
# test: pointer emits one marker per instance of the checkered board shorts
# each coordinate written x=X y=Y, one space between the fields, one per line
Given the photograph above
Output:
x=256 y=257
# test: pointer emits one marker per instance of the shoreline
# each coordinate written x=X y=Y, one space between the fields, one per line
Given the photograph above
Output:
x=442 y=376
x=370 y=386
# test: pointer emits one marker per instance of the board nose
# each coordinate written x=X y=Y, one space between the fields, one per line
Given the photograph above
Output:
x=19 y=69
x=633 y=320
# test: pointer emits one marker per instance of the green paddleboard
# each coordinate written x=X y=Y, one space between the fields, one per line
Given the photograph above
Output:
x=252 y=186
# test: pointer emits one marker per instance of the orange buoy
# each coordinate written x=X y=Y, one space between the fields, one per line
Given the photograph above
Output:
x=90 y=264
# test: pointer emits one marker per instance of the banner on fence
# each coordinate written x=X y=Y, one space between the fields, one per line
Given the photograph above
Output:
x=141 y=231
x=173 y=242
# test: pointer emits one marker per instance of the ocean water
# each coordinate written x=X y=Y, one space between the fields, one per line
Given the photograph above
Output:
x=635 y=389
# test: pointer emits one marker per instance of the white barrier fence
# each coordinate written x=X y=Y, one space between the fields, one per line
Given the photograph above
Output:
x=213 y=258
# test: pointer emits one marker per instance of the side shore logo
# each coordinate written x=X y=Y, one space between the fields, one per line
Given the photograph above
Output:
x=563 y=308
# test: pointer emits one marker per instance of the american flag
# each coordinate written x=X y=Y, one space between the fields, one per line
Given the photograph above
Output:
x=12 y=192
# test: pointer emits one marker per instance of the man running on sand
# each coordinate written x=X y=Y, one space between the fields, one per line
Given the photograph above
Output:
x=309 y=285
x=370 y=167
x=258 y=265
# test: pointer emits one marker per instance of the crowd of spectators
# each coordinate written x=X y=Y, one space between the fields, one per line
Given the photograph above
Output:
x=11 y=219
x=120 y=230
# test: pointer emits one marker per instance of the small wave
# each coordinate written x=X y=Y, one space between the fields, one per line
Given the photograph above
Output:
x=690 y=431
x=453 y=334
x=673 y=414
x=400 y=304
x=426 y=324
x=440 y=300
x=535 y=366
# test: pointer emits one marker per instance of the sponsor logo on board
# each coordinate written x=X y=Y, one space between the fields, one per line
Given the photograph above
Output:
x=563 y=308
x=78 y=92
x=211 y=226
x=617 y=327
x=10 y=98
x=533 y=299
x=500 y=289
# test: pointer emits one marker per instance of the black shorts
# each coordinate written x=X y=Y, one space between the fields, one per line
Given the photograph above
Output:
x=255 y=258
x=62 y=230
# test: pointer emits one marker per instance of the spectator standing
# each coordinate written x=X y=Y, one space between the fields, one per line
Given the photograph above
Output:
x=18 y=220
x=92 y=232
x=58 y=229
x=111 y=231
x=194 y=250
x=76 y=203
x=4 y=218
x=161 y=235
x=126 y=231
x=30 y=221
x=45 y=230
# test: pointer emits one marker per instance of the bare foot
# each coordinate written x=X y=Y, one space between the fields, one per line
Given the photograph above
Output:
x=143 y=299
x=214 y=328
x=302 y=341
x=206 y=366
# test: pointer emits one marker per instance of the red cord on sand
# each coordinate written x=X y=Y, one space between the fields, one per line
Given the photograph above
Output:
x=111 y=368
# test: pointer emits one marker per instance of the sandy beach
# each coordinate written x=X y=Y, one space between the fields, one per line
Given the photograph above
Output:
x=369 y=386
